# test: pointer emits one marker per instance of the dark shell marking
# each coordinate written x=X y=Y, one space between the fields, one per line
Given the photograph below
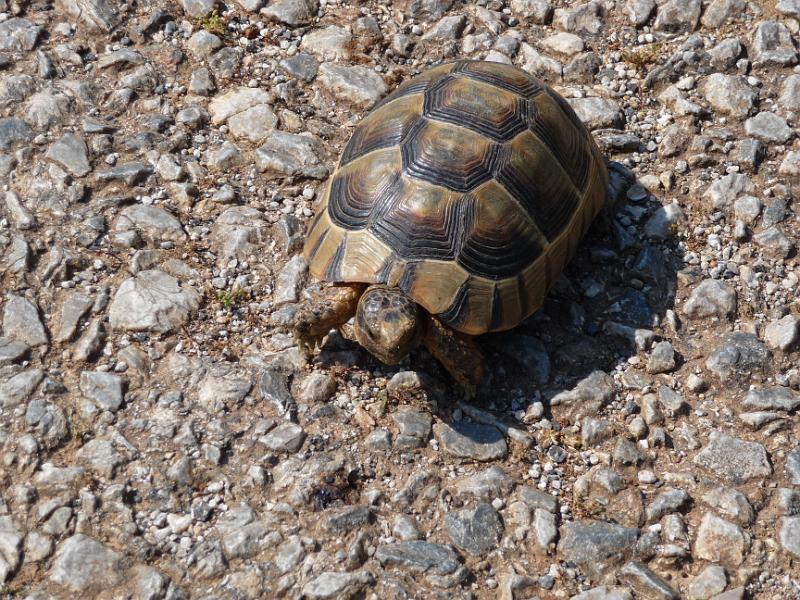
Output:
x=469 y=188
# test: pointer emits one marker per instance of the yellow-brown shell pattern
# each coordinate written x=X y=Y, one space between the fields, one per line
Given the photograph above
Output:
x=469 y=188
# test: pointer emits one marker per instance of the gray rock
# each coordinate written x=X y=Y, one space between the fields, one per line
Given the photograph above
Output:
x=71 y=153
x=583 y=18
x=476 y=530
x=198 y=9
x=774 y=241
x=301 y=66
x=535 y=498
x=585 y=399
x=15 y=88
x=153 y=223
x=793 y=466
x=663 y=222
x=286 y=437
x=747 y=208
x=405 y=528
x=289 y=280
x=291 y=12
x=564 y=43
x=338 y=585
x=720 y=541
x=96 y=14
x=709 y=582
x=354 y=84
x=152 y=301
x=253 y=124
x=595 y=431
x=236 y=101
x=790 y=93
x=446 y=28
x=725 y=54
x=768 y=127
x=645 y=582
x=471 y=440
x=604 y=592
x=711 y=298
x=729 y=94
x=420 y=557
x=48 y=108
x=21 y=321
x=223 y=158
x=672 y=401
x=224 y=63
x=545 y=528
x=11 y=351
x=539 y=65
x=104 y=389
x=329 y=43
x=202 y=44
x=739 y=355
x=596 y=546
x=100 y=457
x=538 y=11
x=350 y=518
x=789 y=501
x=74 y=308
x=13 y=130
x=317 y=388
x=18 y=35
x=248 y=540
x=790 y=166
x=129 y=173
x=668 y=501
x=678 y=16
x=790 y=535
x=772 y=398
x=639 y=11
x=82 y=564
x=48 y=421
x=730 y=503
x=662 y=358
x=289 y=554
x=598 y=113
x=201 y=83
x=10 y=547
x=772 y=45
x=415 y=427
x=790 y=8
x=720 y=12
x=21 y=217
x=425 y=10
x=733 y=459
x=290 y=154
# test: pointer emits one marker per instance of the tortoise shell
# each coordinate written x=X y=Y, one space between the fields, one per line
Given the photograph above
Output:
x=469 y=188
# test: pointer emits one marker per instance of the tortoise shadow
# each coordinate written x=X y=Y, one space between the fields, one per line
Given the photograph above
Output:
x=610 y=304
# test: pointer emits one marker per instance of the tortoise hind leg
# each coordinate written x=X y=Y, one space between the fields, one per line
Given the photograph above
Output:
x=459 y=354
x=329 y=308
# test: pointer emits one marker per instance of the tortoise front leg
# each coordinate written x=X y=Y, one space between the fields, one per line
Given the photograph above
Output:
x=329 y=308
x=459 y=354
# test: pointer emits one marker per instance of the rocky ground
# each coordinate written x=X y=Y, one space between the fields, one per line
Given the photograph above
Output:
x=163 y=437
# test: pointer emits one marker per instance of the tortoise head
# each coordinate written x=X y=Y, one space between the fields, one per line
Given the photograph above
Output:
x=388 y=323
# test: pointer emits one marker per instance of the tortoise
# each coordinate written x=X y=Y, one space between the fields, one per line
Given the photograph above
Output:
x=455 y=205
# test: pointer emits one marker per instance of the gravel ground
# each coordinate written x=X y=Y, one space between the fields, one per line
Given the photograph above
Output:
x=163 y=437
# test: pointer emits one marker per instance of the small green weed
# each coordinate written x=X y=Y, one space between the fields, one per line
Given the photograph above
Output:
x=213 y=23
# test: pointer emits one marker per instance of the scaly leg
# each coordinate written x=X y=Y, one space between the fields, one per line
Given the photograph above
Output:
x=331 y=307
x=459 y=354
